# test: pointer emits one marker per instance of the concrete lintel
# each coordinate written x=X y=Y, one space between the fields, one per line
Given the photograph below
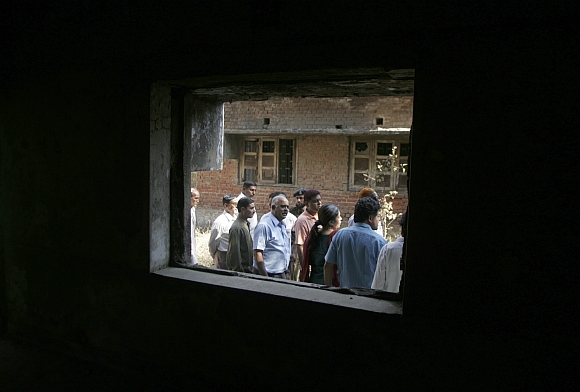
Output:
x=380 y=131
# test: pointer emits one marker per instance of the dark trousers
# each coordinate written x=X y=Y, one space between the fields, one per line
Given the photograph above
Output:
x=221 y=259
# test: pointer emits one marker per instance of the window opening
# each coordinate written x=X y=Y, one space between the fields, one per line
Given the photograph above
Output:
x=373 y=161
x=380 y=164
x=250 y=160
x=286 y=161
x=268 y=161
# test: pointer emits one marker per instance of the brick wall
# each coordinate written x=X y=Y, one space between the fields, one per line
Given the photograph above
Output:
x=325 y=169
x=319 y=113
x=322 y=159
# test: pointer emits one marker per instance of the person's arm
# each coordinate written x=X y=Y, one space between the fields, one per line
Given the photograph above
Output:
x=300 y=254
x=299 y=234
x=305 y=262
x=212 y=243
x=330 y=263
x=393 y=274
x=380 y=277
x=328 y=273
x=302 y=276
x=234 y=256
x=259 y=256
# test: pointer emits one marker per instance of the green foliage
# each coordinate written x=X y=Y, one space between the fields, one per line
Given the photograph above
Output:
x=386 y=167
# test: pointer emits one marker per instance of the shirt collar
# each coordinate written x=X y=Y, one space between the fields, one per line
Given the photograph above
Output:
x=276 y=222
x=309 y=215
x=229 y=217
x=364 y=225
x=243 y=220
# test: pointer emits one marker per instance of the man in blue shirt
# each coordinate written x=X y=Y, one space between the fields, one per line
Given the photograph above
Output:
x=271 y=241
x=355 y=249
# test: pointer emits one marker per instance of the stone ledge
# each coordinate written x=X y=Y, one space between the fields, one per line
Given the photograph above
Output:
x=296 y=290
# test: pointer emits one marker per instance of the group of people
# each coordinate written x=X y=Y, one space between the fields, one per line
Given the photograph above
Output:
x=305 y=242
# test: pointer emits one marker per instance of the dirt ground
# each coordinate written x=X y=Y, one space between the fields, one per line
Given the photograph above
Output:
x=201 y=239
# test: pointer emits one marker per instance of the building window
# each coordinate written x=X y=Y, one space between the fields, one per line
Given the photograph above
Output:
x=268 y=160
x=174 y=119
x=379 y=164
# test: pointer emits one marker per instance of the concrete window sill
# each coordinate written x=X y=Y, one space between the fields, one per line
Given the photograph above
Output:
x=281 y=288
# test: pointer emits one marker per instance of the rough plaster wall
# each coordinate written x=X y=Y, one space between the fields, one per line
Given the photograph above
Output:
x=205 y=122
x=159 y=166
x=359 y=113
x=321 y=163
x=232 y=146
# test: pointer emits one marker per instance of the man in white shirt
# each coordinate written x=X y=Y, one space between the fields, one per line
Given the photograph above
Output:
x=220 y=231
x=388 y=273
x=249 y=190
x=194 y=203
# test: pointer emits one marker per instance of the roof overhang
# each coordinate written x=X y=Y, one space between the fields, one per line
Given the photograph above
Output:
x=350 y=132
x=316 y=84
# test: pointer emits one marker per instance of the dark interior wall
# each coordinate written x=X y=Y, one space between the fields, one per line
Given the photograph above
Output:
x=481 y=308
x=499 y=108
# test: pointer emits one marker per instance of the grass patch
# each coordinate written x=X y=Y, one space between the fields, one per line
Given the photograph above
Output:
x=202 y=250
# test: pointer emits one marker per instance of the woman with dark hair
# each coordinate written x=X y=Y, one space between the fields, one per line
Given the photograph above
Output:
x=317 y=243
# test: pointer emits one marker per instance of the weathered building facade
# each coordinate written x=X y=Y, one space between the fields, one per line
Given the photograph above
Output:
x=334 y=145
